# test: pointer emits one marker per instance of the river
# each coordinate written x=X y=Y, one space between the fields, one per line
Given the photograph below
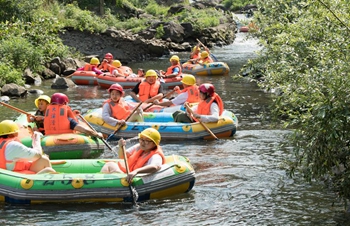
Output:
x=239 y=180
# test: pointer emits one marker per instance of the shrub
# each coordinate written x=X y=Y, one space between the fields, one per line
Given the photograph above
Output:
x=10 y=74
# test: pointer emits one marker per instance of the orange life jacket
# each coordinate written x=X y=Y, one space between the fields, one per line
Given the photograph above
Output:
x=193 y=94
x=206 y=60
x=19 y=165
x=104 y=66
x=112 y=68
x=195 y=56
x=89 y=67
x=147 y=90
x=119 y=110
x=137 y=160
x=169 y=71
x=56 y=119
x=204 y=106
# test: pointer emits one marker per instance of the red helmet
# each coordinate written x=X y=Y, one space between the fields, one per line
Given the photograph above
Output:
x=59 y=98
x=109 y=56
x=207 y=88
x=117 y=87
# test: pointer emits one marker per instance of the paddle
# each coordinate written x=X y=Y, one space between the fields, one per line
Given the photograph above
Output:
x=205 y=126
x=212 y=55
x=119 y=126
x=133 y=191
x=166 y=95
x=87 y=123
x=16 y=109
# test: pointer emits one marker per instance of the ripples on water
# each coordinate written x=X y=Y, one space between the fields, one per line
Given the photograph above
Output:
x=240 y=180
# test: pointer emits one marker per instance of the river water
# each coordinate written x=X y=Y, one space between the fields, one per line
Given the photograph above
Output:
x=239 y=180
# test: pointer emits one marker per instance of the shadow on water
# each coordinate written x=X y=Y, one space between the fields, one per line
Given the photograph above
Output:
x=239 y=180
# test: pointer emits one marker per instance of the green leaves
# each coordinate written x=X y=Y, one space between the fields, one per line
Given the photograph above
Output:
x=306 y=57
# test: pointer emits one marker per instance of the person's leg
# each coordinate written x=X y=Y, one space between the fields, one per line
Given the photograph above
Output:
x=111 y=167
x=181 y=116
x=42 y=165
x=137 y=117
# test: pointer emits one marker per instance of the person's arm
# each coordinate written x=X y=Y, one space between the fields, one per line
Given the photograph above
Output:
x=129 y=151
x=94 y=69
x=16 y=151
x=106 y=115
x=74 y=125
x=134 y=92
x=116 y=73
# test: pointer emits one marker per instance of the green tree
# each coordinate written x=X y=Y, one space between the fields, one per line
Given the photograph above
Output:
x=305 y=56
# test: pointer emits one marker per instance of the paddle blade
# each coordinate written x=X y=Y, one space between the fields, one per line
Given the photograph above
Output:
x=109 y=137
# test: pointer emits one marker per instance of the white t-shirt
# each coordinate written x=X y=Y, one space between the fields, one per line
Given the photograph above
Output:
x=180 y=99
x=15 y=151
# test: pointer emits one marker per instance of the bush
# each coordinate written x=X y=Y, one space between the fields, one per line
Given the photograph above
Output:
x=306 y=57
x=10 y=75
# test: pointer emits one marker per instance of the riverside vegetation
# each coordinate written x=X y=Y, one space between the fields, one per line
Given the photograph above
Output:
x=305 y=57
x=29 y=30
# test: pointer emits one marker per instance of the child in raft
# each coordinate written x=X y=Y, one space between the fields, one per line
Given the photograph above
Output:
x=38 y=118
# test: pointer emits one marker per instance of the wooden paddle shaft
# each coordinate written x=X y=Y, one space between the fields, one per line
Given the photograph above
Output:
x=168 y=94
x=14 y=108
x=205 y=126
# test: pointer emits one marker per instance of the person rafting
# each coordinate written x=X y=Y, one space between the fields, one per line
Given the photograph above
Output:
x=209 y=108
x=148 y=90
x=174 y=70
x=38 y=118
x=189 y=93
x=17 y=157
x=145 y=157
x=115 y=110
x=60 y=118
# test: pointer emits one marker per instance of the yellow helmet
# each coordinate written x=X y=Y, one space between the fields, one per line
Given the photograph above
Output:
x=151 y=73
x=94 y=60
x=204 y=54
x=151 y=134
x=116 y=63
x=188 y=79
x=8 y=127
x=42 y=97
x=196 y=48
x=175 y=57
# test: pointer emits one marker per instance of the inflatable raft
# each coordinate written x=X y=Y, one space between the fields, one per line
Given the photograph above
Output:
x=105 y=81
x=84 y=78
x=81 y=181
x=164 y=123
x=62 y=146
x=215 y=68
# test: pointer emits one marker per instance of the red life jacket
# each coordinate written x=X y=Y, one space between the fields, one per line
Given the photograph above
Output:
x=56 y=119
x=204 y=106
x=19 y=165
x=120 y=110
x=147 y=90
x=137 y=160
